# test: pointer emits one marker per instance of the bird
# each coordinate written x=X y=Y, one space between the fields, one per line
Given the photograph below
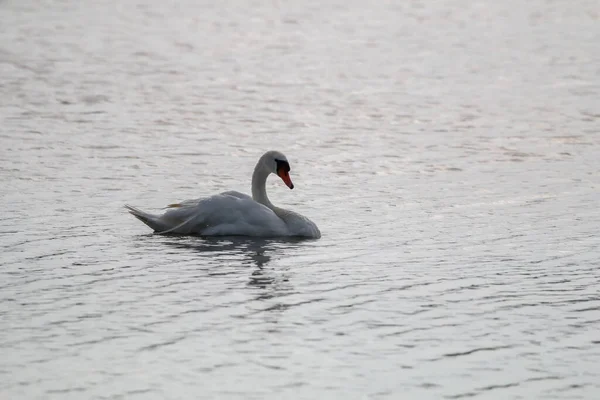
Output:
x=232 y=213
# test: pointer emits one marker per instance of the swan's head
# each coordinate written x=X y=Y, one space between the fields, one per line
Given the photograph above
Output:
x=278 y=164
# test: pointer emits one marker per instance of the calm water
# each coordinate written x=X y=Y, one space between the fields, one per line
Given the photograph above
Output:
x=449 y=152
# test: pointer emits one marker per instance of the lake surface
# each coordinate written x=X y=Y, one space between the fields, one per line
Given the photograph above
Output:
x=449 y=152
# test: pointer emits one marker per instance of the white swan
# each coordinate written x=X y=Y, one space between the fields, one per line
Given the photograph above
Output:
x=234 y=213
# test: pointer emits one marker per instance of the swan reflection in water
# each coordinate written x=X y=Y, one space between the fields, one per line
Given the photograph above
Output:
x=251 y=252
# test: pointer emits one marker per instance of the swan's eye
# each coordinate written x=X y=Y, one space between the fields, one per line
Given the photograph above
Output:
x=282 y=164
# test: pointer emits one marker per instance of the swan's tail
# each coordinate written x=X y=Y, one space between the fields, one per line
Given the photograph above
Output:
x=159 y=223
x=153 y=221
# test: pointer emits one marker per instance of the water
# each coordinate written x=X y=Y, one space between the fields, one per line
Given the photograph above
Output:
x=447 y=150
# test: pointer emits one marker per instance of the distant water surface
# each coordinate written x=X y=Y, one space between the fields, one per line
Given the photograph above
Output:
x=449 y=152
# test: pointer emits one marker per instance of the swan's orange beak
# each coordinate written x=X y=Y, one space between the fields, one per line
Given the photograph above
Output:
x=285 y=177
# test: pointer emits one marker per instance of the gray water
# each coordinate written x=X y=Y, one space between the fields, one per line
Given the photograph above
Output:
x=449 y=152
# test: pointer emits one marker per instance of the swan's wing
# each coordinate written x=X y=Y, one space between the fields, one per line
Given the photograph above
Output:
x=194 y=202
x=237 y=195
x=228 y=213
x=184 y=204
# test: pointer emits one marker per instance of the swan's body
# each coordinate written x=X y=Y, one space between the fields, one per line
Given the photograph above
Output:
x=233 y=213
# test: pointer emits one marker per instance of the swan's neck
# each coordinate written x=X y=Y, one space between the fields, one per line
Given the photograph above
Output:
x=259 y=191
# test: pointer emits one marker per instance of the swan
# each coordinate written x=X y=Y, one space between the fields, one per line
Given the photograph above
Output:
x=233 y=213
